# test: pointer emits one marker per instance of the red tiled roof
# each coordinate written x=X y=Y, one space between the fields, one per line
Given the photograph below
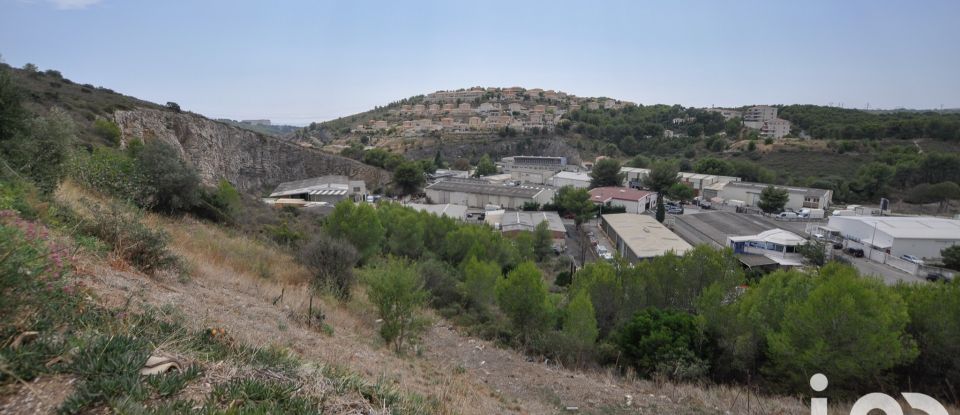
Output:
x=603 y=194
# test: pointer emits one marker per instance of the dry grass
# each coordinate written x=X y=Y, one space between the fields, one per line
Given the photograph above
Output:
x=203 y=243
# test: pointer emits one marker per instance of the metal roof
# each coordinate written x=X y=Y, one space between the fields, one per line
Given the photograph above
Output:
x=645 y=236
x=905 y=227
x=306 y=186
x=527 y=221
x=807 y=191
x=777 y=236
x=486 y=188
x=329 y=192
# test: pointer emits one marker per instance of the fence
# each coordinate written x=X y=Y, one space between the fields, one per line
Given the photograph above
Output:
x=877 y=255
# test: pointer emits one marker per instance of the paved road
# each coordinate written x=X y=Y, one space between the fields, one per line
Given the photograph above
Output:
x=889 y=275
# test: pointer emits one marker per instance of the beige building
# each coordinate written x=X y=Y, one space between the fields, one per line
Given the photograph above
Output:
x=799 y=197
x=639 y=237
x=480 y=194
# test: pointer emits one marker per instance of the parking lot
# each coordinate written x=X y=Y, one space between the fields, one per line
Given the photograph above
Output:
x=713 y=226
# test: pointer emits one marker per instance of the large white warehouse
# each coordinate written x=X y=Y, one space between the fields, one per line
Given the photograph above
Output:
x=922 y=236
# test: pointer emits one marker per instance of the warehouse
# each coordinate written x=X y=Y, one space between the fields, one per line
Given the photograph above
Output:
x=749 y=194
x=513 y=222
x=633 y=200
x=569 y=178
x=480 y=194
x=330 y=189
x=921 y=236
x=638 y=237
x=458 y=212
x=534 y=169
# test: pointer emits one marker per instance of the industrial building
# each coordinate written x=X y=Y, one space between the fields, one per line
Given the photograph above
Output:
x=513 y=222
x=638 y=237
x=569 y=178
x=330 y=189
x=749 y=194
x=534 y=169
x=634 y=176
x=458 y=212
x=480 y=194
x=633 y=200
x=920 y=236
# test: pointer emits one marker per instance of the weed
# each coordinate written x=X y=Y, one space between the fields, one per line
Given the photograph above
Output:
x=109 y=368
x=170 y=384
x=261 y=396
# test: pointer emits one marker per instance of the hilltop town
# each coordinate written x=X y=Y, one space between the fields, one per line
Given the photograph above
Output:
x=533 y=111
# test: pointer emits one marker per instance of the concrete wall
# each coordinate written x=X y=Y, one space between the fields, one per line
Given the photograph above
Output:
x=580 y=184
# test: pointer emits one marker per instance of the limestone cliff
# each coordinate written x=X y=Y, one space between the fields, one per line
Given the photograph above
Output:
x=251 y=161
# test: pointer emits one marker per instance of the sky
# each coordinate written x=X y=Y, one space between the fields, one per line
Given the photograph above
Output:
x=301 y=61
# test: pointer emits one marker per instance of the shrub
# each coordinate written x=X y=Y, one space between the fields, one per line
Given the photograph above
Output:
x=396 y=290
x=222 y=204
x=522 y=296
x=331 y=262
x=107 y=130
x=107 y=170
x=440 y=280
x=131 y=240
x=169 y=184
x=664 y=342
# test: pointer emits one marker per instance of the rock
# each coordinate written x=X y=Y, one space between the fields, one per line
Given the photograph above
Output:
x=253 y=162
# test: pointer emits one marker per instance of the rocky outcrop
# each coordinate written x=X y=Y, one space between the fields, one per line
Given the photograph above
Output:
x=251 y=161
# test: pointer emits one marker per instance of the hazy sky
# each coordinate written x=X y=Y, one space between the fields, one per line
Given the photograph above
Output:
x=302 y=61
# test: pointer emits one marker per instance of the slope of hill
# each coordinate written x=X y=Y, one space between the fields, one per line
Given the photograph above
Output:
x=242 y=330
x=252 y=161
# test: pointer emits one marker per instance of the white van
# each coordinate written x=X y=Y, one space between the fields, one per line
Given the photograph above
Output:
x=787 y=215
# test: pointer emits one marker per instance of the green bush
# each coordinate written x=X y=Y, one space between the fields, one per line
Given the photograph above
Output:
x=107 y=130
x=222 y=204
x=169 y=184
x=661 y=342
x=107 y=170
x=396 y=289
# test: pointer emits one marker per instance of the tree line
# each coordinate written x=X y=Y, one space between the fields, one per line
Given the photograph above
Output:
x=695 y=316
x=852 y=124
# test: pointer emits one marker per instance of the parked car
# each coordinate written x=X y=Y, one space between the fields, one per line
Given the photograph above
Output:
x=705 y=205
x=936 y=276
x=912 y=258
x=837 y=245
x=857 y=252
x=787 y=215
x=607 y=256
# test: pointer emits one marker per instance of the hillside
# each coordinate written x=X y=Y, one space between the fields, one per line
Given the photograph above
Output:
x=252 y=161
x=241 y=318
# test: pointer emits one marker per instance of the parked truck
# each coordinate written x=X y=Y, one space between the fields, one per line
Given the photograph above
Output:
x=812 y=213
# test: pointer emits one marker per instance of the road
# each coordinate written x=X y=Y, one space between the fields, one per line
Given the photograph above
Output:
x=889 y=275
